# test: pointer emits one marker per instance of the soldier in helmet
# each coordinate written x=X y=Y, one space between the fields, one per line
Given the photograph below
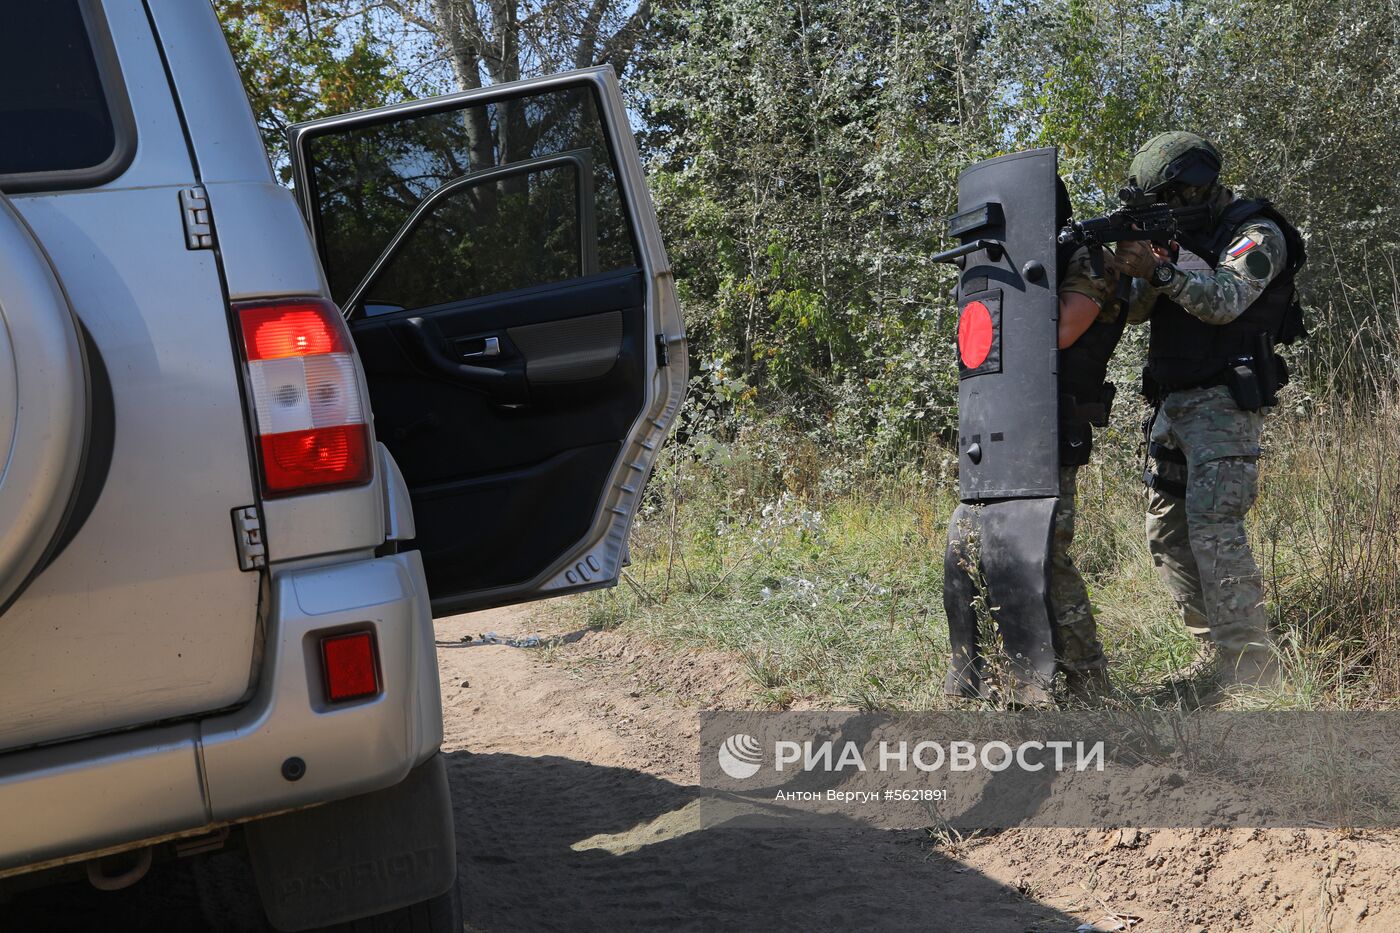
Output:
x=1215 y=306
x=1090 y=326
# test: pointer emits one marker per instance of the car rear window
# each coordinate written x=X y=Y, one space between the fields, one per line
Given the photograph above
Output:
x=55 y=112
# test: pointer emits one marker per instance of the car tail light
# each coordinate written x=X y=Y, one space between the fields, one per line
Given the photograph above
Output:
x=310 y=423
x=350 y=664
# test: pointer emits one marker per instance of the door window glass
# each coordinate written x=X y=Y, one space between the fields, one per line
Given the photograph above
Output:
x=503 y=195
x=481 y=238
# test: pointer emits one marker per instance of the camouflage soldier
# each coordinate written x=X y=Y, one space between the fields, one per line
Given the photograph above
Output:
x=1216 y=309
x=1089 y=330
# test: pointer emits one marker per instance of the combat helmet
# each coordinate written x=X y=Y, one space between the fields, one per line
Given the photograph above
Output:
x=1176 y=158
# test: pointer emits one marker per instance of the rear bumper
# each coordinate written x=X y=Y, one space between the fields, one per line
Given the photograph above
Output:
x=95 y=794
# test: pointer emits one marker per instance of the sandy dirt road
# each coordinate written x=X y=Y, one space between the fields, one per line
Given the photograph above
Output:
x=574 y=771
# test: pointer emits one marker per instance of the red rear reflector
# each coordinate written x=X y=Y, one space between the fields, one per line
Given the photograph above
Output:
x=975 y=334
x=350 y=664
x=306 y=391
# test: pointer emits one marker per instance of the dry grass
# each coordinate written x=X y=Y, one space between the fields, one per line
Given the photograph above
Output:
x=835 y=597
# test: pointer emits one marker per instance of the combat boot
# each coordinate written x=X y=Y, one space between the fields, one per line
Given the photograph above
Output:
x=1089 y=687
x=1253 y=668
x=1205 y=664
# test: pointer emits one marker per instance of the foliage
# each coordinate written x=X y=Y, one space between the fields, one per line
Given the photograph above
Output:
x=801 y=163
x=494 y=42
x=1302 y=97
x=303 y=59
x=833 y=595
x=299 y=61
x=802 y=156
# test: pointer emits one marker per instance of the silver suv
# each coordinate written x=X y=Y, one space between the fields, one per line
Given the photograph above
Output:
x=252 y=442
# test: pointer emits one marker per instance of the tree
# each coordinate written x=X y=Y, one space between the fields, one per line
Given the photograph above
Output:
x=802 y=159
x=802 y=155
x=497 y=41
x=1302 y=98
x=301 y=59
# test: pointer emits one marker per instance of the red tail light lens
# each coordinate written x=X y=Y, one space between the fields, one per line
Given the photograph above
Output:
x=311 y=425
x=350 y=664
x=272 y=332
x=319 y=457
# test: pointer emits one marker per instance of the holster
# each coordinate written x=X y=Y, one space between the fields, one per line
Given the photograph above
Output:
x=1245 y=386
x=1076 y=434
x=1169 y=461
x=1254 y=380
x=1151 y=388
x=1097 y=411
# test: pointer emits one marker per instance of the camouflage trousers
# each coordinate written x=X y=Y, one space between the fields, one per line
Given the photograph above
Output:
x=1198 y=541
x=1076 y=635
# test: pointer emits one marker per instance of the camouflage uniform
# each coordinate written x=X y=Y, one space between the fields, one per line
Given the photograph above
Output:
x=1077 y=634
x=1079 y=646
x=1198 y=542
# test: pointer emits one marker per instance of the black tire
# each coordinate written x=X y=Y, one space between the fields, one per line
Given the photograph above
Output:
x=229 y=903
x=441 y=914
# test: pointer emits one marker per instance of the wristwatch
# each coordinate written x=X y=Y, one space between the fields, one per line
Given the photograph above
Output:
x=1162 y=274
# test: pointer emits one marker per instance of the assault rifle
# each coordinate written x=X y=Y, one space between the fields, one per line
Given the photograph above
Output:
x=1141 y=217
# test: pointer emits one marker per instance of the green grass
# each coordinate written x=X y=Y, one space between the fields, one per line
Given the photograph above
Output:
x=830 y=591
x=841 y=604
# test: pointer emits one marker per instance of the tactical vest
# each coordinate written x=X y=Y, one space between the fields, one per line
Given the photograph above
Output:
x=1084 y=364
x=1083 y=378
x=1184 y=352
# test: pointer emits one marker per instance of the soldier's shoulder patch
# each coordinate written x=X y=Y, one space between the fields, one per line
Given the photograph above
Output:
x=1257 y=250
x=1258 y=264
x=1241 y=246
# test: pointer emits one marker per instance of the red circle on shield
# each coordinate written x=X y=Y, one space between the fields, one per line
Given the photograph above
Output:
x=974 y=334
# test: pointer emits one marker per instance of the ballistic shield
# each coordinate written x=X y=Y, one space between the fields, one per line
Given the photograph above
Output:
x=996 y=570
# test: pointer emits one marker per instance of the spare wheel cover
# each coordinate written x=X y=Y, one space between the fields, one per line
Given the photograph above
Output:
x=44 y=405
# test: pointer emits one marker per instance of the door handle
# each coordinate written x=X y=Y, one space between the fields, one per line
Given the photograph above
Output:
x=490 y=346
x=506 y=386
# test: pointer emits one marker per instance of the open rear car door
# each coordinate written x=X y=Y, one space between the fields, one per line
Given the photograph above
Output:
x=498 y=259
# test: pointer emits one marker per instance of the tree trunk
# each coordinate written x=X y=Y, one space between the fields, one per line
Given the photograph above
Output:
x=451 y=17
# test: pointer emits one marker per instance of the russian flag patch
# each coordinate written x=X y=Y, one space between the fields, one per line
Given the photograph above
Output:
x=1243 y=245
